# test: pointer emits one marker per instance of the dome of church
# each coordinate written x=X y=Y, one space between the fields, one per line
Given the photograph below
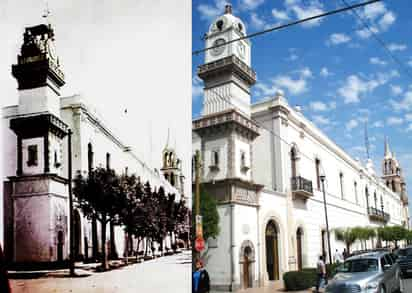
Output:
x=226 y=21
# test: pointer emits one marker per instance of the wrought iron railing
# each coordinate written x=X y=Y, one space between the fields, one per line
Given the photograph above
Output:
x=301 y=184
x=378 y=214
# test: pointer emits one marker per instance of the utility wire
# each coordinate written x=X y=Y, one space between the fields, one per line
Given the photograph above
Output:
x=197 y=52
x=380 y=41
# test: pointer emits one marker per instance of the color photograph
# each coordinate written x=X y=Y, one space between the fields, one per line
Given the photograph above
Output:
x=302 y=141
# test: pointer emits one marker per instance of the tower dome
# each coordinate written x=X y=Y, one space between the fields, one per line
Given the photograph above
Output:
x=227 y=21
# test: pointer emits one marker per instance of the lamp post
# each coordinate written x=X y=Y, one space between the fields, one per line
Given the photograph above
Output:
x=71 y=232
x=322 y=179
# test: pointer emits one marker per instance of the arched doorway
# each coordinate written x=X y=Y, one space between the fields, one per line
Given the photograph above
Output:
x=77 y=234
x=272 y=251
x=299 y=246
x=60 y=245
x=247 y=264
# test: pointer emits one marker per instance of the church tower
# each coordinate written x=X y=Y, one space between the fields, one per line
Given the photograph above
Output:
x=172 y=168
x=38 y=197
x=227 y=133
x=393 y=178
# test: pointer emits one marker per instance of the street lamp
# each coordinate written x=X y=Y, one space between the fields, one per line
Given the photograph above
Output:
x=322 y=179
x=70 y=179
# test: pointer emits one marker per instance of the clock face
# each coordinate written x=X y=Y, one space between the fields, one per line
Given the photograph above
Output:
x=241 y=50
x=221 y=47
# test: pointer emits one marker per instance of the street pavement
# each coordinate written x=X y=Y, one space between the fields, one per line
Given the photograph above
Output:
x=406 y=287
x=170 y=274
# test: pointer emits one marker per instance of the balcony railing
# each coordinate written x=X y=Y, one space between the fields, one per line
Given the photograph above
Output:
x=378 y=215
x=301 y=187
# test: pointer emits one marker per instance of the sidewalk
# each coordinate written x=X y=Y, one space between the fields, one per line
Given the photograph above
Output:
x=271 y=288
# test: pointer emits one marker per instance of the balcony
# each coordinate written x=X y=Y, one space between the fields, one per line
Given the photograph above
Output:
x=301 y=187
x=378 y=215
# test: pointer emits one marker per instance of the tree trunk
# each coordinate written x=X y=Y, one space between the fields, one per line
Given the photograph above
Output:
x=348 y=248
x=137 y=249
x=127 y=248
x=146 y=246
x=104 y=246
x=113 y=252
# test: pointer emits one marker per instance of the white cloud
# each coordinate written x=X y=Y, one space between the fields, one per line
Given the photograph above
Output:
x=280 y=15
x=312 y=8
x=355 y=87
x=351 y=124
x=337 y=39
x=394 y=121
x=396 y=90
x=319 y=106
x=294 y=86
x=408 y=117
x=379 y=17
x=257 y=22
x=377 y=124
x=377 y=61
x=404 y=104
x=306 y=72
x=250 y=4
x=321 y=120
x=409 y=128
x=397 y=47
x=197 y=87
x=324 y=72
x=210 y=12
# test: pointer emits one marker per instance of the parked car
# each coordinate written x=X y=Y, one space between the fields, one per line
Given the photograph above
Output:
x=376 y=272
x=405 y=261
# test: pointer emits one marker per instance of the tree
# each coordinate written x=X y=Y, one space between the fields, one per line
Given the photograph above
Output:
x=97 y=196
x=364 y=234
x=210 y=216
x=392 y=234
x=347 y=236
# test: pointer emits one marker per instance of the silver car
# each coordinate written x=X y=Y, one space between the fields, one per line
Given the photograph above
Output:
x=374 y=272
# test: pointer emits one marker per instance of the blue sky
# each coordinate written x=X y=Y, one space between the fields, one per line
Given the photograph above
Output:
x=333 y=68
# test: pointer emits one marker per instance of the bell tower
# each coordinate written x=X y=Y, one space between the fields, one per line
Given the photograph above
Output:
x=226 y=73
x=172 y=168
x=38 y=191
x=227 y=133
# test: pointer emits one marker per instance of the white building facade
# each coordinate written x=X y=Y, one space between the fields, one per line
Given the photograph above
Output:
x=35 y=153
x=264 y=162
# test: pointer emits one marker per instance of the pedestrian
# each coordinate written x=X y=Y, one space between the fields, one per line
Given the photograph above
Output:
x=338 y=257
x=345 y=254
x=201 y=281
x=321 y=273
x=4 y=279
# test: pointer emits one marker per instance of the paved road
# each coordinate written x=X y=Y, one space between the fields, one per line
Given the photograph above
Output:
x=406 y=285
x=171 y=274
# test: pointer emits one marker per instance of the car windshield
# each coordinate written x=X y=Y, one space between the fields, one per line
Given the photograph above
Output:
x=405 y=252
x=359 y=265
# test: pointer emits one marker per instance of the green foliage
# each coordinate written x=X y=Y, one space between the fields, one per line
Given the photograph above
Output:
x=393 y=233
x=299 y=280
x=306 y=278
x=346 y=235
x=210 y=216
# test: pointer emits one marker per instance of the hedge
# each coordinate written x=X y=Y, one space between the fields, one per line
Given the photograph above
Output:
x=304 y=279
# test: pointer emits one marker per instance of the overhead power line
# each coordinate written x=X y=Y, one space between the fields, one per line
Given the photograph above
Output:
x=380 y=41
x=197 y=52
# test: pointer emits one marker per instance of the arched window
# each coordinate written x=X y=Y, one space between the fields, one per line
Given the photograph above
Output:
x=107 y=161
x=89 y=157
x=317 y=166
x=215 y=158
x=293 y=159
x=355 y=186
x=376 y=200
x=393 y=186
x=341 y=184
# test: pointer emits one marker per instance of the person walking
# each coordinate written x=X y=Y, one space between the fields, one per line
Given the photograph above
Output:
x=201 y=281
x=321 y=274
x=4 y=279
x=337 y=257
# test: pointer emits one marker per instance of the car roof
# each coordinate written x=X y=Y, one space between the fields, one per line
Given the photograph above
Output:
x=373 y=254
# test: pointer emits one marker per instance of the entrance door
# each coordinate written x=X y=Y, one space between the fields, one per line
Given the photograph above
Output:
x=299 y=234
x=246 y=272
x=272 y=251
x=60 y=245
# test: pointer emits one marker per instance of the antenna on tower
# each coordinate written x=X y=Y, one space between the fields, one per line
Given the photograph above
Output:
x=367 y=140
x=46 y=12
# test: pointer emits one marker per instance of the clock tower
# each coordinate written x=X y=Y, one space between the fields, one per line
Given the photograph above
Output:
x=227 y=133
x=38 y=192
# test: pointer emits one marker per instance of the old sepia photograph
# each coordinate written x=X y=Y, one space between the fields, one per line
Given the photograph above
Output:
x=95 y=146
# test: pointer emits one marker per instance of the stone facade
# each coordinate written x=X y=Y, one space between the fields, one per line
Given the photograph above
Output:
x=272 y=212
